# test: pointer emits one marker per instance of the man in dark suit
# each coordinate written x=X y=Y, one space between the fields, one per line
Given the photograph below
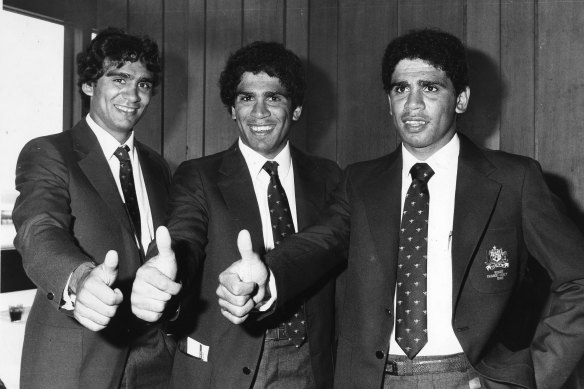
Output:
x=90 y=199
x=214 y=197
x=432 y=288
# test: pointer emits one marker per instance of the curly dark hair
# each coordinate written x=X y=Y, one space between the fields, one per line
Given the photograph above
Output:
x=113 y=47
x=269 y=57
x=440 y=49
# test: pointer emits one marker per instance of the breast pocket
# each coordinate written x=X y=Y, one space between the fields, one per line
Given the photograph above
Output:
x=495 y=266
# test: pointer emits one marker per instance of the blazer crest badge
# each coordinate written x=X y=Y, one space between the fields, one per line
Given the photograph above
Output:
x=496 y=263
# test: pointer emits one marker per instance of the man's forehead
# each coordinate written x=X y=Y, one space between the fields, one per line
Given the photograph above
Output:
x=417 y=68
x=260 y=81
x=137 y=68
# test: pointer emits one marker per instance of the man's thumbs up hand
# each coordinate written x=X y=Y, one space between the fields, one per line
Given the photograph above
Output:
x=242 y=286
x=154 y=285
x=95 y=301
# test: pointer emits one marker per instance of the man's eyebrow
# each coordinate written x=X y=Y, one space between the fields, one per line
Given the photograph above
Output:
x=117 y=73
x=399 y=83
x=433 y=82
x=127 y=76
x=273 y=93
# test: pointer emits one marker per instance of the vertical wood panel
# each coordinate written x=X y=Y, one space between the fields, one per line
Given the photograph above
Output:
x=112 y=13
x=145 y=17
x=175 y=85
x=517 y=67
x=296 y=39
x=447 y=15
x=224 y=36
x=263 y=20
x=196 y=83
x=364 y=126
x=321 y=102
x=560 y=98
x=483 y=37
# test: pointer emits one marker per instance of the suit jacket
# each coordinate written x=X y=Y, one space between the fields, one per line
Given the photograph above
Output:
x=212 y=200
x=69 y=211
x=501 y=202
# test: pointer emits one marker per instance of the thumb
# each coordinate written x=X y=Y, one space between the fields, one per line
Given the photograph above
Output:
x=165 y=261
x=109 y=267
x=163 y=243
x=250 y=262
x=245 y=247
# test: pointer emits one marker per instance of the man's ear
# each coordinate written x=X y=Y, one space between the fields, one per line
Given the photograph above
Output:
x=389 y=99
x=462 y=100
x=233 y=113
x=87 y=88
x=297 y=112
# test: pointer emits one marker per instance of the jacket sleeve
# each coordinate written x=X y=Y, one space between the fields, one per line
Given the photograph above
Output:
x=303 y=259
x=558 y=245
x=43 y=220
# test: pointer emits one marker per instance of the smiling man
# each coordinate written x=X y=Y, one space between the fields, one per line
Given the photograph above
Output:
x=437 y=234
x=90 y=199
x=272 y=189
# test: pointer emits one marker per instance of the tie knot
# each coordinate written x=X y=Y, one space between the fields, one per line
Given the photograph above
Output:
x=122 y=154
x=271 y=167
x=422 y=172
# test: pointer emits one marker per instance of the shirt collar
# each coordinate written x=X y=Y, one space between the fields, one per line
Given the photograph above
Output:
x=255 y=161
x=445 y=158
x=107 y=142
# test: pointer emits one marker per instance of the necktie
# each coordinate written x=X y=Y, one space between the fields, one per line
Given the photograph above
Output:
x=411 y=331
x=127 y=181
x=283 y=225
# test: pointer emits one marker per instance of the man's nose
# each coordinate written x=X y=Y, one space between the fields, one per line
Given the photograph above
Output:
x=130 y=93
x=415 y=100
x=259 y=110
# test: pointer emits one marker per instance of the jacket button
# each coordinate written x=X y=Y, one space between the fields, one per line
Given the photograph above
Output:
x=379 y=354
x=246 y=370
x=388 y=311
x=461 y=329
x=50 y=296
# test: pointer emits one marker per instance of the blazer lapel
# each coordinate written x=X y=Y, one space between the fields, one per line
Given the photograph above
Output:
x=308 y=188
x=476 y=195
x=95 y=167
x=236 y=187
x=382 y=201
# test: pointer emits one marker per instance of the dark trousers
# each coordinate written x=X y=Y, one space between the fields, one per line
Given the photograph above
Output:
x=283 y=366
x=150 y=360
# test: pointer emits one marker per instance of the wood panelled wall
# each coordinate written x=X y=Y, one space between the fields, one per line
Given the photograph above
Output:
x=527 y=92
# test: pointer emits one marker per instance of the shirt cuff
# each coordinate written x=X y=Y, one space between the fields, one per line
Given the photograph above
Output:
x=70 y=291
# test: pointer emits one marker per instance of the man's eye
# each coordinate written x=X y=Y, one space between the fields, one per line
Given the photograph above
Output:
x=145 y=85
x=399 y=89
x=431 y=88
x=275 y=98
x=244 y=98
x=119 y=81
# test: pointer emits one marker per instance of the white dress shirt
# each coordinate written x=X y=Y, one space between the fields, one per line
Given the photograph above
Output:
x=261 y=179
x=442 y=188
x=109 y=145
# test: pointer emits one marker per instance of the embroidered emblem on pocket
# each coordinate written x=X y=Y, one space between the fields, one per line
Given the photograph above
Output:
x=496 y=263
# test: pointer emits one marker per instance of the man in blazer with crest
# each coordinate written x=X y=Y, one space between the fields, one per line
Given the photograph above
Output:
x=77 y=240
x=213 y=198
x=487 y=213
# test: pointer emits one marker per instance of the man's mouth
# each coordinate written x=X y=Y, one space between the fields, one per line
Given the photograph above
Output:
x=414 y=122
x=261 y=129
x=126 y=109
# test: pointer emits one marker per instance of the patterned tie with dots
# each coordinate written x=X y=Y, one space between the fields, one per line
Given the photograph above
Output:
x=127 y=181
x=282 y=226
x=411 y=331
